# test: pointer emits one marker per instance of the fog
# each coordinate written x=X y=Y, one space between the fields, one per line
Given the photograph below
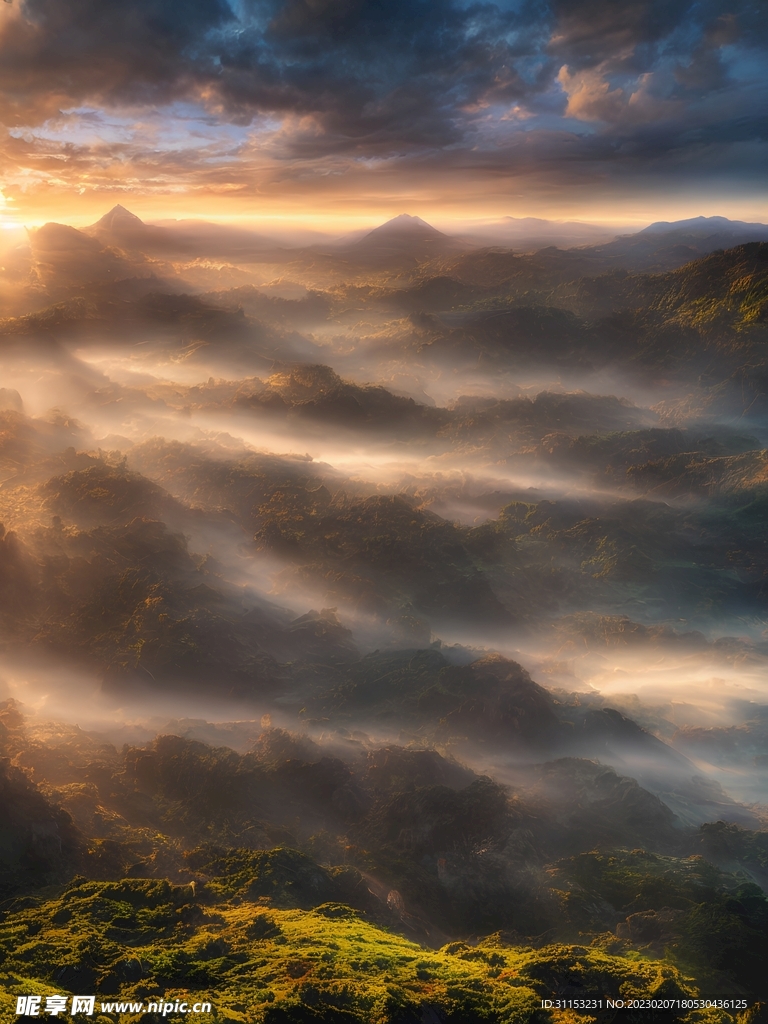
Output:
x=338 y=547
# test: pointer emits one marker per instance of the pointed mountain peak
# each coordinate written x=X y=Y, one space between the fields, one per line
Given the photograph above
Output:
x=406 y=220
x=119 y=217
x=404 y=229
x=406 y=223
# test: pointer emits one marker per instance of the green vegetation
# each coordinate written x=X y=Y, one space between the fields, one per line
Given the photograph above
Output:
x=148 y=939
x=358 y=864
x=680 y=909
x=124 y=872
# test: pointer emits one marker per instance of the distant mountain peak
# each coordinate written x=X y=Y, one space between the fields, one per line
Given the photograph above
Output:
x=698 y=224
x=406 y=220
x=118 y=215
x=403 y=230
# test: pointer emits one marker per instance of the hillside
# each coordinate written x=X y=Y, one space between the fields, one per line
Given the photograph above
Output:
x=137 y=892
x=383 y=637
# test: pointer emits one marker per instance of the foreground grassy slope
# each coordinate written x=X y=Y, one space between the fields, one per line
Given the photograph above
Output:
x=573 y=853
x=145 y=939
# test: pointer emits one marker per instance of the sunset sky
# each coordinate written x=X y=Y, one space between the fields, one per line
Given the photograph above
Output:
x=344 y=112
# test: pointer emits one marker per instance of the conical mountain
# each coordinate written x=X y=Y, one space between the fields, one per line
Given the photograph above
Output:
x=118 y=219
x=404 y=240
x=123 y=229
x=187 y=239
x=405 y=230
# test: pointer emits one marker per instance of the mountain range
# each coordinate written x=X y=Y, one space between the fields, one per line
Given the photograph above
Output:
x=197 y=256
x=384 y=616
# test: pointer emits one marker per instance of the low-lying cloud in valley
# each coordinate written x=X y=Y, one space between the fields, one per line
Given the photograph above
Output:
x=421 y=577
x=383 y=493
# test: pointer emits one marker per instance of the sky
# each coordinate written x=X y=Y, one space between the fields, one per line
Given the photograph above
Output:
x=345 y=112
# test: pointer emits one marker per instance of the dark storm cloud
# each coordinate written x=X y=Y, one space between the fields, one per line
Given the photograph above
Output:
x=396 y=74
x=57 y=53
x=367 y=64
x=375 y=78
x=589 y=32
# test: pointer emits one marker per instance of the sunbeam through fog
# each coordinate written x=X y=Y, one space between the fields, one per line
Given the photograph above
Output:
x=420 y=572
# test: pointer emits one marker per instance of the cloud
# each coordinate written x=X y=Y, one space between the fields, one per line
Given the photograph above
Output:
x=591 y=33
x=62 y=53
x=591 y=98
x=239 y=97
x=368 y=69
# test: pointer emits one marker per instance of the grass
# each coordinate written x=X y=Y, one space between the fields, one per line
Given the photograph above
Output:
x=145 y=939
